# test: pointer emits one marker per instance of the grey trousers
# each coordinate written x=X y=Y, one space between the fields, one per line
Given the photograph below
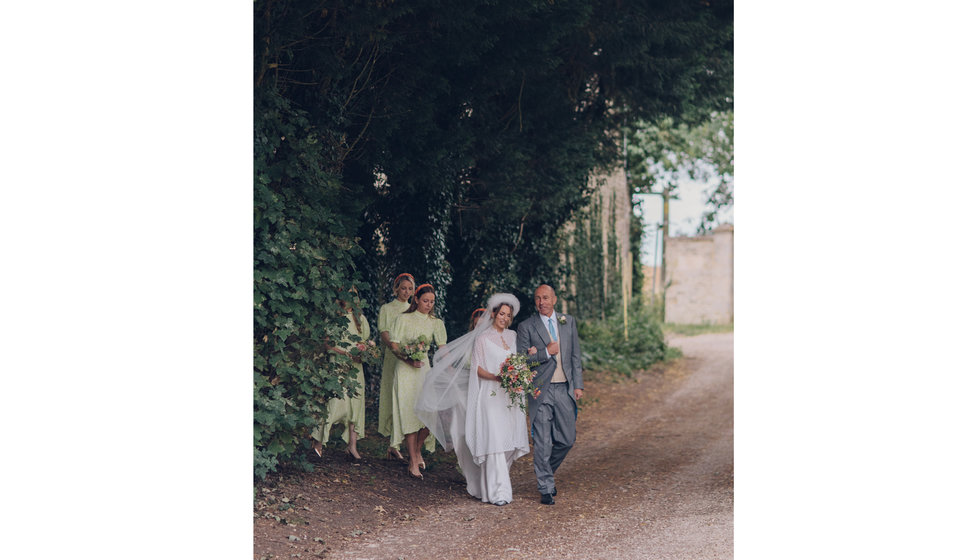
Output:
x=553 y=433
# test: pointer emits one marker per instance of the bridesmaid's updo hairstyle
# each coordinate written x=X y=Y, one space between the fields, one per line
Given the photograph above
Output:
x=475 y=316
x=497 y=309
x=400 y=278
x=419 y=292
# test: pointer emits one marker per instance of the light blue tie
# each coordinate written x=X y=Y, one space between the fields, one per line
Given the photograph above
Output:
x=551 y=327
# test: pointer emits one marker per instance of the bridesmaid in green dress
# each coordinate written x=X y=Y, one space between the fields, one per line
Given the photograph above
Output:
x=416 y=321
x=349 y=410
x=403 y=288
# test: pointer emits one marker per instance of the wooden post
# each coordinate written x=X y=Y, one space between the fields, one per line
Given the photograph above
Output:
x=668 y=190
x=627 y=283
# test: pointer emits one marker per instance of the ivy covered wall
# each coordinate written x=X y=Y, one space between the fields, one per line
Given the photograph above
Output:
x=597 y=250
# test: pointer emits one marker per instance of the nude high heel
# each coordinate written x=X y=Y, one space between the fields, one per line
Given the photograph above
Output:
x=395 y=455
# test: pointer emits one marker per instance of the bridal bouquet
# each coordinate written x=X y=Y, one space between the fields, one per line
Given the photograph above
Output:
x=517 y=379
x=416 y=349
x=368 y=352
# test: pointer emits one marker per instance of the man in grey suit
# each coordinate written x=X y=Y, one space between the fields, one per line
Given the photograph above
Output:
x=551 y=338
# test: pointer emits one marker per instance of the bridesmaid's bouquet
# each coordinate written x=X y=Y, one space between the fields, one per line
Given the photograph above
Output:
x=368 y=352
x=517 y=379
x=416 y=349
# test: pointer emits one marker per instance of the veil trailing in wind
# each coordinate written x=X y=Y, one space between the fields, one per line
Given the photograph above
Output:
x=446 y=393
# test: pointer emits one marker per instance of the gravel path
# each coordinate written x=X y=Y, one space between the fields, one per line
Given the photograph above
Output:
x=650 y=476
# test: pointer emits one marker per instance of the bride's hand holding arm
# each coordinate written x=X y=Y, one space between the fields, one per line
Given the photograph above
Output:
x=484 y=374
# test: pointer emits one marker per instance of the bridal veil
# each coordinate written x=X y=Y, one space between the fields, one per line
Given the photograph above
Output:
x=446 y=396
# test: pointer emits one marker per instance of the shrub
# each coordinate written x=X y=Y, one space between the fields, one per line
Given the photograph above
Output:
x=605 y=348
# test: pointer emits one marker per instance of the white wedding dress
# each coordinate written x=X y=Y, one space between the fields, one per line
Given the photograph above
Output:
x=473 y=416
x=496 y=430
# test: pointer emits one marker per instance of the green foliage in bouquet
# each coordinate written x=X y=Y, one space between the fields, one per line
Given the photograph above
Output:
x=517 y=379
x=368 y=352
x=416 y=349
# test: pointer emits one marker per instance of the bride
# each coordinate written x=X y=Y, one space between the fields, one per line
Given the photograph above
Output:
x=467 y=410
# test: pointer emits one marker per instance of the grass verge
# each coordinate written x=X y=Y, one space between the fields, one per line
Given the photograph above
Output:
x=692 y=330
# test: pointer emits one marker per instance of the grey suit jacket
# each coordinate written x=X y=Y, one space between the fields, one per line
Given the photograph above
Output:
x=532 y=332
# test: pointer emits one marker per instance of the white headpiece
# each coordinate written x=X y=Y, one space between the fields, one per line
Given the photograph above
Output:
x=498 y=299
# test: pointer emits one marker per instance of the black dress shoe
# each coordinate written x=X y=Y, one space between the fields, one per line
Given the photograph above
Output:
x=554 y=492
x=547 y=500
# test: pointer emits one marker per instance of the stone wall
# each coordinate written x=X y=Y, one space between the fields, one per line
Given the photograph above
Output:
x=700 y=278
x=651 y=283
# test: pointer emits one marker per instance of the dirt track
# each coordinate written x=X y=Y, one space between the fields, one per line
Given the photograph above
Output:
x=650 y=476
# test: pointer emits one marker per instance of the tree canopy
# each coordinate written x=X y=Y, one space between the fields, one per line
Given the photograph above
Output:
x=660 y=153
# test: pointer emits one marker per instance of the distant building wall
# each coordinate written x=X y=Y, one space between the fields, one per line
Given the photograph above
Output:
x=700 y=278
x=651 y=282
